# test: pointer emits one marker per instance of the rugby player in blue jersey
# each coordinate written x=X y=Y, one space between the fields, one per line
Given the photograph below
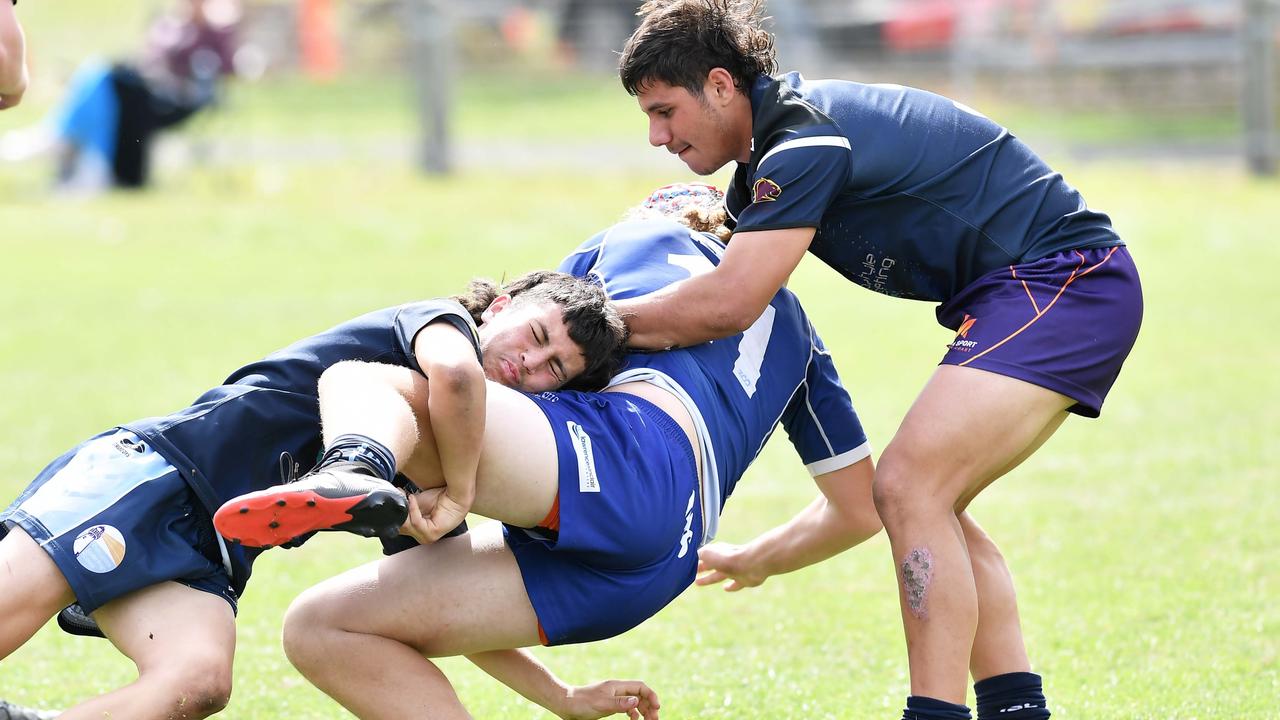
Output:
x=606 y=497
x=122 y=525
x=915 y=196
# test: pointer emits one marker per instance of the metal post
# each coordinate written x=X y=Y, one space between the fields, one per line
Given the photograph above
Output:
x=429 y=34
x=1258 y=99
x=964 y=57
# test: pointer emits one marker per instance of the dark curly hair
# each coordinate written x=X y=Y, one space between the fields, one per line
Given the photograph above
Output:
x=680 y=41
x=592 y=321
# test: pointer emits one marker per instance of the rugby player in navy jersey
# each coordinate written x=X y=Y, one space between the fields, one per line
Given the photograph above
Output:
x=605 y=497
x=915 y=196
x=122 y=525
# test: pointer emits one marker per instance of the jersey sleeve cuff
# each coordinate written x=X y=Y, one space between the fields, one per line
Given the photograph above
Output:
x=843 y=460
x=778 y=226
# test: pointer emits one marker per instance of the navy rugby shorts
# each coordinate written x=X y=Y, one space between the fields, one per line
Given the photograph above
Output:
x=117 y=517
x=1065 y=322
x=630 y=519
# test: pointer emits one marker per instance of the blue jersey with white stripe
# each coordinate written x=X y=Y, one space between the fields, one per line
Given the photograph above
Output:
x=744 y=385
x=911 y=194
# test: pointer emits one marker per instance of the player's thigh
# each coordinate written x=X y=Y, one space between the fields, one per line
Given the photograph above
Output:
x=170 y=628
x=1045 y=433
x=34 y=589
x=967 y=426
x=518 y=476
x=458 y=595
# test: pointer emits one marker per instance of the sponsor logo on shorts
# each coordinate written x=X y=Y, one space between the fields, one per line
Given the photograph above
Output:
x=688 y=526
x=100 y=548
x=765 y=190
x=588 y=481
x=962 y=343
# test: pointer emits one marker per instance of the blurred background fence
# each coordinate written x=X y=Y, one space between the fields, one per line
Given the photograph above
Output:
x=1190 y=57
x=457 y=82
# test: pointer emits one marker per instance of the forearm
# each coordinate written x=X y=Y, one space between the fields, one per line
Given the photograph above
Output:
x=522 y=672
x=457 y=410
x=842 y=516
x=720 y=301
x=682 y=314
x=818 y=532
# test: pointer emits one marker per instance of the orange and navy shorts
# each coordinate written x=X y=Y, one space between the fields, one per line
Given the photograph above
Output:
x=1065 y=322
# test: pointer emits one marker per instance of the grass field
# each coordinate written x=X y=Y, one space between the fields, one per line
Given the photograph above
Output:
x=1146 y=544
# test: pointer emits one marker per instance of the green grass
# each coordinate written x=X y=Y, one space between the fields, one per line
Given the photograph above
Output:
x=1144 y=543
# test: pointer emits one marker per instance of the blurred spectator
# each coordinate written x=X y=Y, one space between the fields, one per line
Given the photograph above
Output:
x=102 y=132
x=13 y=58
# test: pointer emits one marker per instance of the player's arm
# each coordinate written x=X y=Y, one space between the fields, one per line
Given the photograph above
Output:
x=842 y=516
x=722 y=302
x=13 y=57
x=522 y=672
x=456 y=403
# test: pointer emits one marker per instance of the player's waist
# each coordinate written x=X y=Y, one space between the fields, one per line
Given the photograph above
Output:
x=704 y=449
x=669 y=403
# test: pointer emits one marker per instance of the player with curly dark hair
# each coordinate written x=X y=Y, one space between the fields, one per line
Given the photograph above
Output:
x=912 y=195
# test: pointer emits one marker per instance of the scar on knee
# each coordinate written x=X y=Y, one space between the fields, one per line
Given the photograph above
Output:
x=917 y=571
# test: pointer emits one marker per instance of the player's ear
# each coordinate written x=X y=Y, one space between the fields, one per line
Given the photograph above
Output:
x=500 y=303
x=719 y=85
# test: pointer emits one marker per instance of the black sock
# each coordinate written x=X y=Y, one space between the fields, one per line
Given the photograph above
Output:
x=364 y=451
x=926 y=708
x=1012 y=696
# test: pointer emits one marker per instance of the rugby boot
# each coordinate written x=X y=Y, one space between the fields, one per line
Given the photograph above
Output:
x=75 y=621
x=344 y=495
x=17 y=712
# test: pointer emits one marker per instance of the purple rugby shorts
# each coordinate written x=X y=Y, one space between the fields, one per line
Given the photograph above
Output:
x=1065 y=322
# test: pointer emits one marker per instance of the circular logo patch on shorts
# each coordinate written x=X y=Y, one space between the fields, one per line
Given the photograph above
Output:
x=100 y=549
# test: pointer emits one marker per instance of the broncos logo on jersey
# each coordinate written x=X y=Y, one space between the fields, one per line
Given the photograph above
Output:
x=765 y=190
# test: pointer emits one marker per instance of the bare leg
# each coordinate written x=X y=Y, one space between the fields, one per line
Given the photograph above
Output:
x=361 y=637
x=373 y=400
x=517 y=479
x=966 y=427
x=34 y=590
x=998 y=647
x=182 y=641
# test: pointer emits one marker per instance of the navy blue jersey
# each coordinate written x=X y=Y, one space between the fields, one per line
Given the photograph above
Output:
x=739 y=388
x=912 y=194
x=228 y=442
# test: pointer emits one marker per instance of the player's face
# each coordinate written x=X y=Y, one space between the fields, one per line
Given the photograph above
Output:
x=526 y=346
x=702 y=130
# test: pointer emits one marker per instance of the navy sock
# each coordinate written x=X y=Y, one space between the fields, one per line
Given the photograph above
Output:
x=1012 y=696
x=363 y=450
x=926 y=708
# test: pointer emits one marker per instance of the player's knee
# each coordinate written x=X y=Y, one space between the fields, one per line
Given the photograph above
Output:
x=196 y=689
x=356 y=373
x=904 y=490
x=339 y=374
x=294 y=635
x=306 y=625
x=892 y=493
